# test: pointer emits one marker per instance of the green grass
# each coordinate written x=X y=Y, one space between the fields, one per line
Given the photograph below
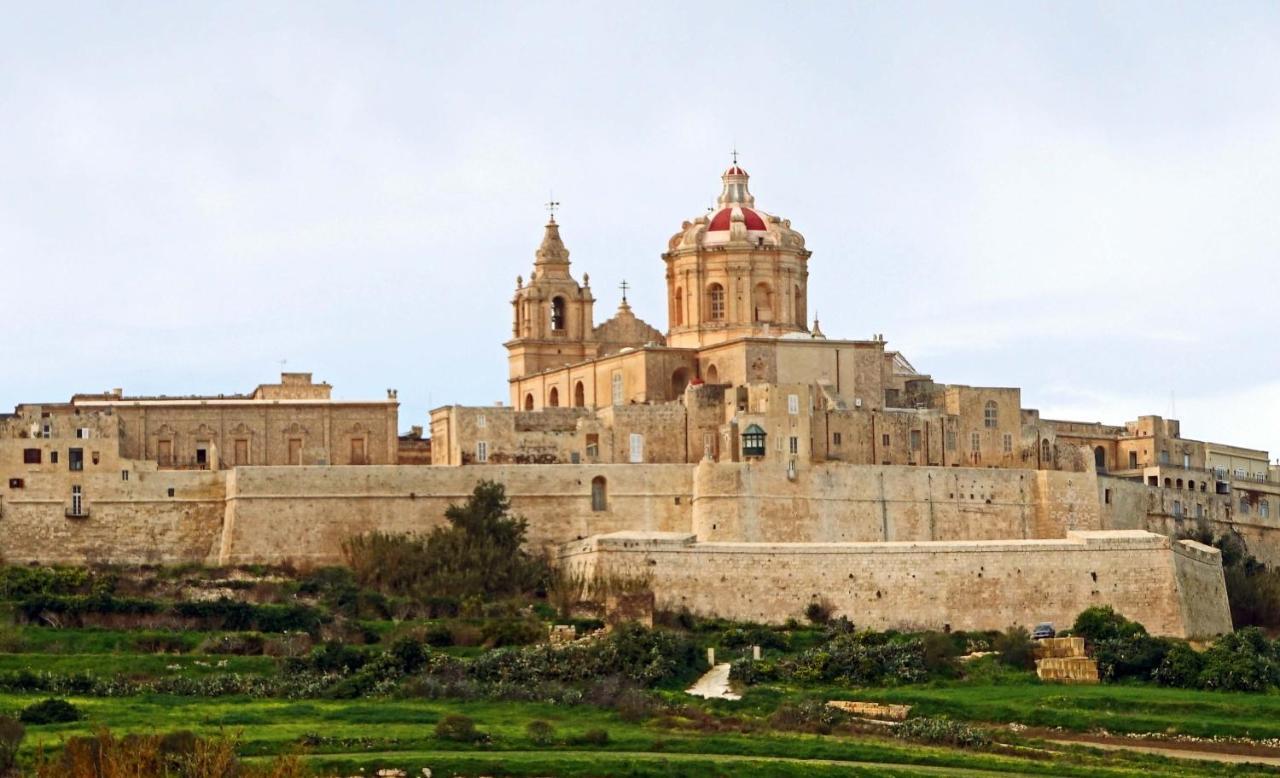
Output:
x=138 y=665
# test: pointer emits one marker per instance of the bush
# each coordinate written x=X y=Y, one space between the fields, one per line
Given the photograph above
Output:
x=819 y=611
x=51 y=711
x=236 y=644
x=335 y=657
x=942 y=732
x=859 y=659
x=1243 y=661
x=437 y=636
x=459 y=728
x=512 y=632
x=1137 y=657
x=11 y=735
x=1181 y=667
x=1101 y=622
x=593 y=737
x=409 y=655
x=540 y=732
x=741 y=637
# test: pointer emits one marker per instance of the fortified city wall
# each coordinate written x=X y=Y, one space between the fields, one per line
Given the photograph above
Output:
x=1174 y=588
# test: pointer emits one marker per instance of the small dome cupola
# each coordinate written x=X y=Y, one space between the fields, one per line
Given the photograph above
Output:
x=735 y=203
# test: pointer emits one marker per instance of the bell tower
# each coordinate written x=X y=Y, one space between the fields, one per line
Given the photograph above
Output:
x=735 y=272
x=551 y=314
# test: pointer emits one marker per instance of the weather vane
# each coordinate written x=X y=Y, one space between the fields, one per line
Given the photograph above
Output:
x=552 y=205
x=624 y=286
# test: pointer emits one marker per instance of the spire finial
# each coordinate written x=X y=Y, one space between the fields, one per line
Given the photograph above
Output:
x=735 y=153
x=624 y=286
x=551 y=206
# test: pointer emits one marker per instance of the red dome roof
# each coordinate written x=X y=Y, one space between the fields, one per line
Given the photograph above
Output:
x=721 y=220
x=734 y=170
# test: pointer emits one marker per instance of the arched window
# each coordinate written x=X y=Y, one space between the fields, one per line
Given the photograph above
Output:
x=553 y=398
x=1244 y=506
x=1264 y=509
x=579 y=395
x=753 y=441
x=1046 y=451
x=762 y=302
x=713 y=375
x=991 y=415
x=557 y=313
x=1179 y=483
x=599 y=494
x=1100 y=459
x=1168 y=483
x=715 y=302
x=679 y=312
x=528 y=401
x=1191 y=485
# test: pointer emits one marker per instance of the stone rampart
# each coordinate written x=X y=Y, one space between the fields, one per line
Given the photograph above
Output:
x=902 y=585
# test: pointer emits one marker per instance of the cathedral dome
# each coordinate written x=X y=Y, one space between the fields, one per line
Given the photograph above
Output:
x=736 y=220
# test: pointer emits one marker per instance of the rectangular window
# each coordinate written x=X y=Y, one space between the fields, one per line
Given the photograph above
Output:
x=835 y=438
x=75 y=459
x=617 y=387
x=480 y=422
x=795 y=444
x=82 y=432
x=1164 y=457
x=15 y=483
x=30 y=456
x=1177 y=508
x=975 y=442
x=77 y=501
x=1133 y=460
x=47 y=430
x=915 y=440
x=202 y=452
x=1199 y=510
x=53 y=457
x=124 y=475
x=637 y=448
x=295 y=451
x=1106 y=496
x=482 y=451
x=1186 y=461
x=884 y=439
x=1241 y=472
x=793 y=404
x=1008 y=443
x=593 y=445
x=951 y=440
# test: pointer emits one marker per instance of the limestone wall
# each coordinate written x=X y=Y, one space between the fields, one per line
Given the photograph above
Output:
x=747 y=502
x=960 y=585
x=134 y=521
x=304 y=513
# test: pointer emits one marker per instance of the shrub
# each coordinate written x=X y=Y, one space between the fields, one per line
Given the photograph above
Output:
x=740 y=637
x=512 y=632
x=819 y=611
x=859 y=659
x=593 y=737
x=335 y=657
x=437 y=636
x=458 y=728
x=11 y=735
x=236 y=643
x=1137 y=656
x=160 y=643
x=942 y=732
x=1181 y=667
x=633 y=706
x=408 y=654
x=540 y=732
x=1101 y=622
x=1242 y=661
x=51 y=711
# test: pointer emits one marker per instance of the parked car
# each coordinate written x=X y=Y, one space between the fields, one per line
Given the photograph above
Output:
x=1042 y=631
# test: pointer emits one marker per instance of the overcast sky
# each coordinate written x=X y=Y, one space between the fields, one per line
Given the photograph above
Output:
x=1081 y=200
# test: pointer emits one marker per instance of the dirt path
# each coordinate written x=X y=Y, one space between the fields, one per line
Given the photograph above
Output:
x=714 y=685
x=426 y=757
x=1175 y=752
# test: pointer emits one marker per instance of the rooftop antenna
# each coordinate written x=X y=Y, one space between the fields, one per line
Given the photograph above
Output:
x=624 y=286
x=552 y=205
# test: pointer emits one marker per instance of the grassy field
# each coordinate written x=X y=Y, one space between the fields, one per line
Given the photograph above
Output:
x=373 y=734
